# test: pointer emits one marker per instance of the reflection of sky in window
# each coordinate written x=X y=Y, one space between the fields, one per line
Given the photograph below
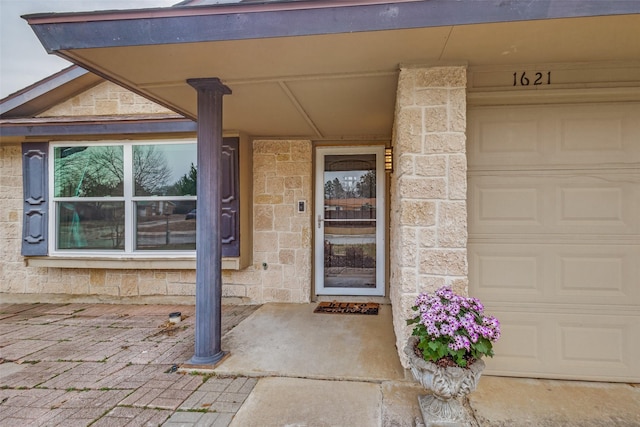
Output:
x=348 y=179
x=179 y=158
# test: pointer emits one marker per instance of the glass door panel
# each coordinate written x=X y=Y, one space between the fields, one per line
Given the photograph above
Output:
x=349 y=231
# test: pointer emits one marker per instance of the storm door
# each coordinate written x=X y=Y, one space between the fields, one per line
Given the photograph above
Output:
x=349 y=221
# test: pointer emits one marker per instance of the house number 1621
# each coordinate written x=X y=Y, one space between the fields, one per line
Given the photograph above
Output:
x=532 y=79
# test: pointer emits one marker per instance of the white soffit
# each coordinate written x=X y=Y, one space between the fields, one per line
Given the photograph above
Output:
x=342 y=85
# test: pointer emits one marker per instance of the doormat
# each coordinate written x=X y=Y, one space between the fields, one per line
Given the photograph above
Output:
x=347 y=307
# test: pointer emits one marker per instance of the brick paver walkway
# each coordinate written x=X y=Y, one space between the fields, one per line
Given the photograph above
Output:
x=109 y=365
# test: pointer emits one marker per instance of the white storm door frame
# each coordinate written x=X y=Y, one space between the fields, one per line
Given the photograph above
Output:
x=319 y=221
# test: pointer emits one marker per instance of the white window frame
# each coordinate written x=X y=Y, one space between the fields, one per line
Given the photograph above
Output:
x=128 y=198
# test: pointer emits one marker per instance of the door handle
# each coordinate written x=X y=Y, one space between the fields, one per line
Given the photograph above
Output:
x=320 y=221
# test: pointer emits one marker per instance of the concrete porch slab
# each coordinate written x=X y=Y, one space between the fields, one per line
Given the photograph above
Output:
x=311 y=403
x=290 y=340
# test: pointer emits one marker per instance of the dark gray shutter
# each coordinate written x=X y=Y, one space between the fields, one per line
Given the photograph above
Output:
x=35 y=189
x=230 y=220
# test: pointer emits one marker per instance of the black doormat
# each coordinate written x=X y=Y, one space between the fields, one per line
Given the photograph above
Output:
x=347 y=307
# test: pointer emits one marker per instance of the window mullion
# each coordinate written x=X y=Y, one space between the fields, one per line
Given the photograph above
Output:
x=128 y=195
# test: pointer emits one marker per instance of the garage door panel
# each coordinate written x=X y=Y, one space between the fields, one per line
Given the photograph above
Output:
x=555 y=202
x=548 y=135
x=592 y=342
x=581 y=273
x=595 y=274
x=599 y=346
x=519 y=137
x=504 y=272
x=551 y=344
x=524 y=339
x=591 y=134
x=602 y=202
x=498 y=206
x=523 y=346
x=577 y=204
x=598 y=134
x=518 y=140
x=516 y=205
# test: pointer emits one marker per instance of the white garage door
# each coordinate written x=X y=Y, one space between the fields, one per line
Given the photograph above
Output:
x=554 y=237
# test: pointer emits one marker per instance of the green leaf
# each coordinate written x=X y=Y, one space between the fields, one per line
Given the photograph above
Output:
x=460 y=360
x=482 y=347
x=412 y=321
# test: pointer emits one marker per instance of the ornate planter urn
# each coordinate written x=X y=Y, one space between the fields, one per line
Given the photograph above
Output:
x=448 y=386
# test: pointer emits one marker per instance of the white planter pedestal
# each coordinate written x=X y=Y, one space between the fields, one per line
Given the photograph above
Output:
x=448 y=386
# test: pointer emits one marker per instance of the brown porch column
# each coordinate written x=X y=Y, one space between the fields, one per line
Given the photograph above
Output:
x=208 y=243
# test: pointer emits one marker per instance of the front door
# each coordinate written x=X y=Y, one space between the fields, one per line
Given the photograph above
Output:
x=349 y=221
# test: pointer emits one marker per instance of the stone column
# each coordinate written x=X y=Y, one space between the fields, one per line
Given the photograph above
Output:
x=208 y=331
x=428 y=189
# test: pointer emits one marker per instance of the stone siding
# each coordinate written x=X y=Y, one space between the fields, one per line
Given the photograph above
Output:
x=281 y=268
x=12 y=272
x=106 y=99
x=282 y=240
x=428 y=226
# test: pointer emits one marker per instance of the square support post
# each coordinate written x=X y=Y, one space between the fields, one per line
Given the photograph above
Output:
x=208 y=329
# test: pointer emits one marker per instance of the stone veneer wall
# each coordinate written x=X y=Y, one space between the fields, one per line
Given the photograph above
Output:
x=281 y=268
x=106 y=99
x=282 y=240
x=428 y=232
x=12 y=271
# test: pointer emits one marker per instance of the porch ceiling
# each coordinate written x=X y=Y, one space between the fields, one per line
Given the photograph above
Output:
x=342 y=85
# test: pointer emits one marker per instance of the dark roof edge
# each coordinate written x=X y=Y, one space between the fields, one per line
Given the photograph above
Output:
x=250 y=21
x=40 y=87
x=61 y=128
x=183 y=10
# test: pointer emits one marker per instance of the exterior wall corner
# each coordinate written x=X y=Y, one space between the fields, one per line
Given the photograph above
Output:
x=428 y=225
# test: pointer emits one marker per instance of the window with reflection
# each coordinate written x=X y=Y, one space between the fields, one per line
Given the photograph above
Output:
x=125 y=197
x=82 y=171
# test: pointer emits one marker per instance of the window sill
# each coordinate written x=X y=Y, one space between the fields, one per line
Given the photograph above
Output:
x=125 y=263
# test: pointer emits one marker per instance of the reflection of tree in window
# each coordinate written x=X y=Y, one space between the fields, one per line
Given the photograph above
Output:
x=334 y=190
x=89 y=171
x=366 y=187
x=108 y=173
x=151 y=173
x=187 y=184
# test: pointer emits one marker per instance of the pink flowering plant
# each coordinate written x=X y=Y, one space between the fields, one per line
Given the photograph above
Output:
x=453 y=327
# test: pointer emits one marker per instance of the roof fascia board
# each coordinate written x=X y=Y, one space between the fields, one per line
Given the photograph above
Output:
x=204 y=24
x=41 y=88
x=202 y=9
x=58 y=129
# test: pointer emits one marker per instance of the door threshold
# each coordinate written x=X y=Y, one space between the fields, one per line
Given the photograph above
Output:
x=350 y=298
